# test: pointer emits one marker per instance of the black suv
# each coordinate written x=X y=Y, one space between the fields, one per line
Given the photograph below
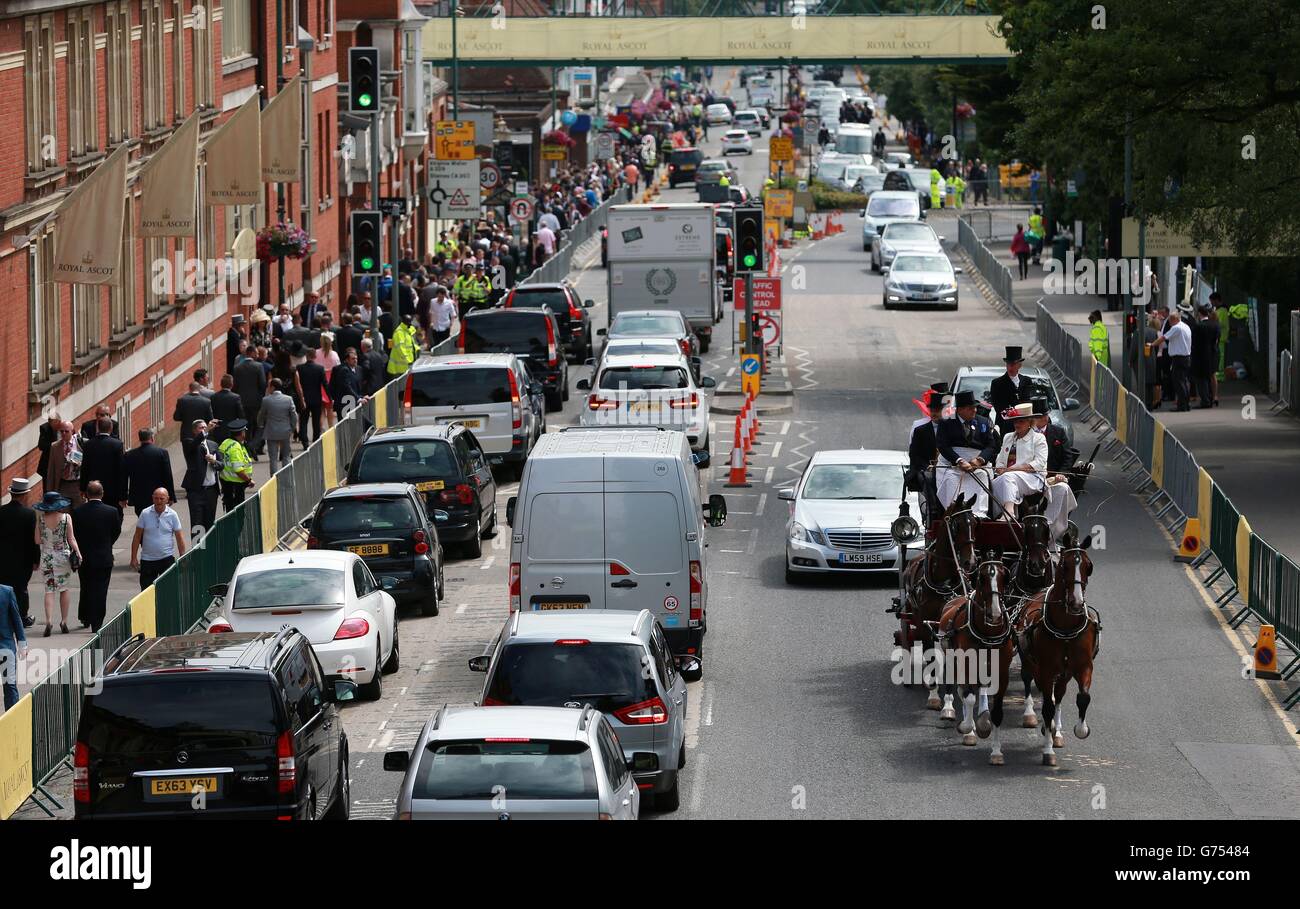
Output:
x=569 y=311
x=682 y=165
x=213 y=726
x=388 y=525
x=530 y=333
x=445 y=463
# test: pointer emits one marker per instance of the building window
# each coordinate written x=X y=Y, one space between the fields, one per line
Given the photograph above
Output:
x=117 y=29
x=202 y=34
x=38 y=77
x=157 y=401
x=324 y=157
x=205 y=358
x=236 y=29
x=121 y=297
x=122 y=413
x=85 y=319
x=304 y=158
x=153 y=64
x=179 y=108
x=83 y=135
x=157 y=250
x=205 y=245
x=43 y=309
x=327 y=26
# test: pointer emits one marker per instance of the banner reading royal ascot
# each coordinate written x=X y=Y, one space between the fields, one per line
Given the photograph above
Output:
x=282 y=134
x=167 y=185
x=234 y=160
x=88 y=226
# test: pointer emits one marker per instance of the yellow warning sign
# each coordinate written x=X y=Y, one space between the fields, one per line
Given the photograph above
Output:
x=778 y=203
x=781 y=148
x=1266 y=654
x=554 y=153
x=453 y=140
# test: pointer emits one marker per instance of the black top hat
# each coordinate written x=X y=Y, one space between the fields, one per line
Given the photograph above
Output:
x=964 y=399
x=940 y=387
x=1013 y=355
x=1040 y=406
x=236 y=425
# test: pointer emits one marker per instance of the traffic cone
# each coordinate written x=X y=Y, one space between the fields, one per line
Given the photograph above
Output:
x=746 y=439
x=757 y=426
x=736 y=476
x=738 y=441
x=1266 y=654
x=818 y=232
x=1189 y=547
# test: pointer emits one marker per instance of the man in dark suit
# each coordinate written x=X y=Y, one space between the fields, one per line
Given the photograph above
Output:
x=238 y=332
x=202 y=477
x=1004 y=391
x=345 y=384
x=348 y=335
x=923 y=447
x=226 y=406
x=90 y=428
x=310 y=310
x=311 y=375
x=387 y=324
x=149 y=467
x=374 y=367
x=97 y=527
x=46 y=436
x=104 y=460
x=250 y=385
x=19 y=554
x=189 y=407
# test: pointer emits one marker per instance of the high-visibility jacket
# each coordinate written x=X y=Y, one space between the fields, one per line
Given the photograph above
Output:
x=238 y=466
x=445 y=248
x=958 y=187
x=936 y=189
x=1099 y=343
x=404 y=350
x=469 y=291
x=723 y=181
x=1036 y=225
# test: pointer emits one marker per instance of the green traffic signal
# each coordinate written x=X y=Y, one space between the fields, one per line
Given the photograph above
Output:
x=750 y=260
x=365 y=100
x=367 y=264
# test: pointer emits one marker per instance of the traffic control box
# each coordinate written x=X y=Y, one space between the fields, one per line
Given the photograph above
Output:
x=1191 y=543
x=1266 y=654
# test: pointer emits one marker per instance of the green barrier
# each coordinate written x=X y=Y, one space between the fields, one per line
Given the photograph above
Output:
x=1223 y=531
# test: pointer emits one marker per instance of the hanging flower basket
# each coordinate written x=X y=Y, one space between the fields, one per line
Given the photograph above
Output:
x=282 y=241
x=558 y=137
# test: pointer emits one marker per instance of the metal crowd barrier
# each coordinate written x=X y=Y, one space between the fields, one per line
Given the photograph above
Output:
x=997 y=274
x=558 y=266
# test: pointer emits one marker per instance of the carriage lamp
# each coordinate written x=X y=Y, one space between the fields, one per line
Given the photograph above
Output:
x=904 y=530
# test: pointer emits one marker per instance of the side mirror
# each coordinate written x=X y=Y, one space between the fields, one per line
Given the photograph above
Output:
x=590 y=361
x=397 y=760
x=708 y=382
x=480 y=663
x=440 y=516
x=688 y=664
x=536 y=388
x=583 y=385
x=510 y=510
x=716 y=514
x=218 y=590
x=786 y=495
x=344 y=689
x=643 y=762
x=602 y=332
x=701 y=459
x=958 y=270
x=942 y=237
x=588 y=304
x=862 y=213
x=388 y=583
x=1070 y=404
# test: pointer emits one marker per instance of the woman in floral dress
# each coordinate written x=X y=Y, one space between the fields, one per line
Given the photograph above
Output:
x=58 y=545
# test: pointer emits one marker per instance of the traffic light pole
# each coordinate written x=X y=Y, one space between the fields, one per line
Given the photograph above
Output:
x=374 y=203
x=751 y=345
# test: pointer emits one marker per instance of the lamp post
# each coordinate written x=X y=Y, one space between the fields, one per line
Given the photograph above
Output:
x=455 y=64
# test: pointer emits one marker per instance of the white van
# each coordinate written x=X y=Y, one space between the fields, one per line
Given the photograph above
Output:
x=615 y=519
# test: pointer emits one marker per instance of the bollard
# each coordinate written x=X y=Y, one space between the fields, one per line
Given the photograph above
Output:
x=1266 y=654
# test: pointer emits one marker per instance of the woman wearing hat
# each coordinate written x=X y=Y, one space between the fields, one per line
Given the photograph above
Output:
x=1021 y=465
x=58 y=553
x=329 y=358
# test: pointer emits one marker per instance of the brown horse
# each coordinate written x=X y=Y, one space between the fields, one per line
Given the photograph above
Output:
x=930 y=582
x=1032 y=574
x=1059 y=641
x=979 y=629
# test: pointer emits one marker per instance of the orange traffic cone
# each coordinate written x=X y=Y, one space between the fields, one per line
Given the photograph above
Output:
x=736 y=477
x=818 y=231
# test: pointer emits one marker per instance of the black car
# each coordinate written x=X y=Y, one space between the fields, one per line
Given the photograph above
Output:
x=683 y=163
x=213 y=726
x=570 y=313
x=388 y=525
x=445 y=463
x=917 y=180
x=533 y=334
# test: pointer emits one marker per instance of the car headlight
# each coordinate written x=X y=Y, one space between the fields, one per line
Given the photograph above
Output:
x=799 y=532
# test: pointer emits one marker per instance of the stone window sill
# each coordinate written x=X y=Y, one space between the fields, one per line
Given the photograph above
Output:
x=85 y=363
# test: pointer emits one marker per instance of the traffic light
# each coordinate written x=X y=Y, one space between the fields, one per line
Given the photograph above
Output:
x=749 y=239
x=366 y=227
x=363 y=80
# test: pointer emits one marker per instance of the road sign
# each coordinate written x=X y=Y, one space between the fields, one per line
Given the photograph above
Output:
x=453 y=140
x=393 y=206
x=767 y=294
x=782 y=148
x=604 y=146
x=454 y=189
x=778 y=203
x=770 y=328
x=521 y=209
x=750 y=374
x=489 y=175
x=554 y=153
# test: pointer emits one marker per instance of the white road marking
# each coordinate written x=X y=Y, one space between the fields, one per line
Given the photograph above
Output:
x=762 y=502
x=735 y=551
x=697 y=781
x=785 y=427
x=487 y=563
x=460 y=610
x=776 y=449
x=386 y=739
x=768 y=480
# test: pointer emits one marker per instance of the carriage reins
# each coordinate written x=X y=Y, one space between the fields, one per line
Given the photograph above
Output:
x=1089 y=614
x=1007 y=617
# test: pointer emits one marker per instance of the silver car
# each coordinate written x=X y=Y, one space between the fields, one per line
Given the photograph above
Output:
x=619 y=662
x=885 y=207
x=903 y=237
x=516 y=763
x=842 y=509
x=921 y=279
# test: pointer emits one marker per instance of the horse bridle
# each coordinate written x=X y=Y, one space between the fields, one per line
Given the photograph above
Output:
x=1065 y=602
x=952 y=544
x=1026 y=521
x=1006 y=616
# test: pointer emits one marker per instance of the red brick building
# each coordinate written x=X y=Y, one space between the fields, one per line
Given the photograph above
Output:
x=93 y=76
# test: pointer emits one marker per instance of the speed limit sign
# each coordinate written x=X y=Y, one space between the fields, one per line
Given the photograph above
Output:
x=489 y=175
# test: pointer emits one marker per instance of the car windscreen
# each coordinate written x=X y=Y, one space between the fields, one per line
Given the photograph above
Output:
x=920 y=264
x=647 y=347
x=832 y=170
x=508 y=332
x=643 y=378
x=853 y=143
x=553 y=297
x=460 y=386
x=903 y=231
x=289 y=585
x=870 y=183
x=1037 y=388
x=853 y=481
x=407 y=461
x=646 y=326
x=482 y=769
x=365 y=514
x=686 y=157
x=893 y=207
x=178 y=711
x=546 y=674
x=711 y=166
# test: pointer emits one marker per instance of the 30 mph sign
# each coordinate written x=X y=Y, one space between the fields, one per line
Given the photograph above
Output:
x=489 y=175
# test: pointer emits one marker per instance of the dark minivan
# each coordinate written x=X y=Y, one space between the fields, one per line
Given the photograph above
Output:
x=532 y=334
x=213 y=726
x=683 y=164
x=569 y=311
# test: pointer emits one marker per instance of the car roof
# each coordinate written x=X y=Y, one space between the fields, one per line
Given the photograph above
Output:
x=302 y=558
x=550 y=285
x=425 y=431
x=640 y=313
x=609 y=442
x=458 y=361
x=616 y=626
x=523 y=722
x=911 y=224
x=859 y=456
x=526 y=310
x=233 y=650
x=894 y=194
x=623 y=361
x=750 y=111
x=360 y=490
x=636 y=340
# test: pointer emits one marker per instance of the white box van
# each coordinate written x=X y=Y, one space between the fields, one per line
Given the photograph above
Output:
x=615 y=519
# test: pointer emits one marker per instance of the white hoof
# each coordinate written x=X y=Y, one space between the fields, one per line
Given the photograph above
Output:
x=1029 y=721
x=1058 y=740
x=1049 y=760
x=969 y=739
x=966 y=726
x=948 y=713
x=996 y=760
x=1081 y=730
x=983 y=725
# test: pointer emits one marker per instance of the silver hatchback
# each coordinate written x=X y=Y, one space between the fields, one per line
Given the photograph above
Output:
x=524 y=763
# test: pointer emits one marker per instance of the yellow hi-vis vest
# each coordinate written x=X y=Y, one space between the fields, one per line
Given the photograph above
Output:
x=1099 y=343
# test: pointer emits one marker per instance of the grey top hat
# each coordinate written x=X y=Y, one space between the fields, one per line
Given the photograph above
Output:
x=20 y=485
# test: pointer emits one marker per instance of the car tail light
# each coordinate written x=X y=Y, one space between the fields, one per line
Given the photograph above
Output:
x=352 y=628
x=692 y=401
x=697 y=594
x=406 y=396
x=461 y=495
x=575 y=315
x=514 y=586
x=596 y=402
x=509 y=300
x=313 y=543
x=516 y=409
x=552 y=354
x=492 y=702
x=647 y=713
x=421 y=547
x=220 y=628
x=288 y=780
x=572 y=642
x=81 y=773
x=615 y=568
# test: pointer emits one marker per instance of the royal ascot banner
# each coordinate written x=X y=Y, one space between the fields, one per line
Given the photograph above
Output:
x=88 y=226
x=282 y=134
x=598 y=39
x=234 y=160
x=167 y=185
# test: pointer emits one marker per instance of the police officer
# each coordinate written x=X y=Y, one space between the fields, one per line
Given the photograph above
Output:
x=237 y=469
x=1099 y=338
x=405 y=347
x=967 y=443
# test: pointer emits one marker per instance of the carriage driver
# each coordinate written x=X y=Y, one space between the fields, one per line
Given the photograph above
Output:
x=1021 y=466
x=966 y=443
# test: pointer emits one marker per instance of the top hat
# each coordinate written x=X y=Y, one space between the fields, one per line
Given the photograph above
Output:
x=1013 y=355
x=1040 y=406
x=940 y=387
x=236 y=319
x=20 y=485
x=53 y=501
x=964 y=399
x=1018 y=411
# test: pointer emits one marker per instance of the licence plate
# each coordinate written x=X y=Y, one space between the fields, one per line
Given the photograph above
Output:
x=868 y=558
x=370 y=549
x=688 y=167
x=472 y=424
x=184 y=785
x=641 y=407
x=559 y=604
x=430 y=485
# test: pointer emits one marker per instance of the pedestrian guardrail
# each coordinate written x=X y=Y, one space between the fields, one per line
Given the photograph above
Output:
x=44 y=723
x=558 y=266
x=1256 y=579
x=995 y=273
